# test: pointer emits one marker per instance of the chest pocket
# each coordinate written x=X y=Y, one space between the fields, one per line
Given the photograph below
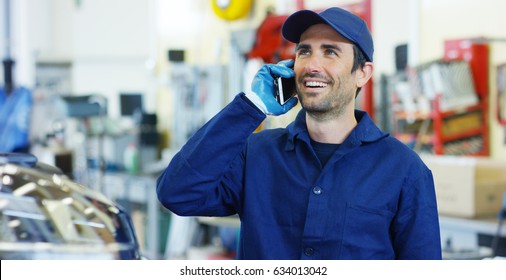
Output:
x=366 y=233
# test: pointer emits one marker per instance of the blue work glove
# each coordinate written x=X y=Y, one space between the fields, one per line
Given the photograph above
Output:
x=263 y=91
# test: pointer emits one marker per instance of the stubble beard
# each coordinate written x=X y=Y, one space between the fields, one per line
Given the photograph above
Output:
x=331 y=106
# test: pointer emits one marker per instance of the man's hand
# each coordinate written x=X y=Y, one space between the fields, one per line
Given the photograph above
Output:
x=263 y=91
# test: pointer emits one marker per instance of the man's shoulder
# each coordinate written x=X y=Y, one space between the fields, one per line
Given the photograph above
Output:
x=395 y=148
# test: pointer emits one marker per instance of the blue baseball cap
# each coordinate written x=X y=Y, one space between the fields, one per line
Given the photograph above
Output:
x=345 y=23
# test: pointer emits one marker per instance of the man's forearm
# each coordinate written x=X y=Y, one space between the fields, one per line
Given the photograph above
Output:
x=197 y=169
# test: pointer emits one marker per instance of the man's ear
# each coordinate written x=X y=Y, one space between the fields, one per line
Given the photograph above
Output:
x=364 y=74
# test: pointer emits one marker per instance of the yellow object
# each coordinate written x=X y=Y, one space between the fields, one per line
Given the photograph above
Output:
x=231 y=9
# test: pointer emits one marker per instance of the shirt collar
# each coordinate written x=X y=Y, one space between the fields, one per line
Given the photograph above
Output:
x=365 y=131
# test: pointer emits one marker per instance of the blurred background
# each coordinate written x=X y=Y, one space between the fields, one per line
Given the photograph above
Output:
x=109 y=90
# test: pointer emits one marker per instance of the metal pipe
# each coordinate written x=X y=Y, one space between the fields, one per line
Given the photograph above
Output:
x=7 y=28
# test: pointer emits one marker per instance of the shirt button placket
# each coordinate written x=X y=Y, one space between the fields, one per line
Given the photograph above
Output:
x=317 y=190
x=313 y=221
x=309 y=251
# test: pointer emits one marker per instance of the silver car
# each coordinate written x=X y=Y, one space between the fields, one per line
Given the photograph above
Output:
x=46 y=215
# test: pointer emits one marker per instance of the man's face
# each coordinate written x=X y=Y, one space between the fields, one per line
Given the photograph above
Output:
x=323 y=64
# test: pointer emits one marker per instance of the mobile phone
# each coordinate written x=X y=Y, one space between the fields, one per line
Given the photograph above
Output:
x=285 y=89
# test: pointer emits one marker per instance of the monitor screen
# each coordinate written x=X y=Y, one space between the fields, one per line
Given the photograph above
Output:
x=130 y=103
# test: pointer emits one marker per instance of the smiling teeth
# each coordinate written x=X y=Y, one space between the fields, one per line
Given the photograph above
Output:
x=316 y=84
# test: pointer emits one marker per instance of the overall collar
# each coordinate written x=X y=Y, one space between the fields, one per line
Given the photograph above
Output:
x=365 y=131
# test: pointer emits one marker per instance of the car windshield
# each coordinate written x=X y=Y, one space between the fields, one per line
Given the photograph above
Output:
x=43 y=212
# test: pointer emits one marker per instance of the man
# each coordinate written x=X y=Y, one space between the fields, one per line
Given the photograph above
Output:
x=330 y=185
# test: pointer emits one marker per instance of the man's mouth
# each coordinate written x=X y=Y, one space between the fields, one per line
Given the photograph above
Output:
x=314 y=84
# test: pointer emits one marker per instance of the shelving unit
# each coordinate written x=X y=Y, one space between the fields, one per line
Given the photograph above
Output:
x=468 y=136
x=463 y=130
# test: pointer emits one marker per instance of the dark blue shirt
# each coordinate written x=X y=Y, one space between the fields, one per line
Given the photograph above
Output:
x=374 y=199
x=324 y=151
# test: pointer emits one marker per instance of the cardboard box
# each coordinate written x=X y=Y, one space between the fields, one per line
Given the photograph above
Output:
x=468 y=187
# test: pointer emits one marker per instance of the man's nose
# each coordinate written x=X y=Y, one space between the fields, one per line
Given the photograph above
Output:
x=313 y=64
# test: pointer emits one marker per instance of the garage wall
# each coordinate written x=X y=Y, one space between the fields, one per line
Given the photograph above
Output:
x=114 y=49
x=109 y=44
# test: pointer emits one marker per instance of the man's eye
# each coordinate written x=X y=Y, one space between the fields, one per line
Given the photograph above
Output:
x=303 y=52
x=330 y=52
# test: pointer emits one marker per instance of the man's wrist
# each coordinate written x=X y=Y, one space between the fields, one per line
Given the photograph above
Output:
x=255 y=100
